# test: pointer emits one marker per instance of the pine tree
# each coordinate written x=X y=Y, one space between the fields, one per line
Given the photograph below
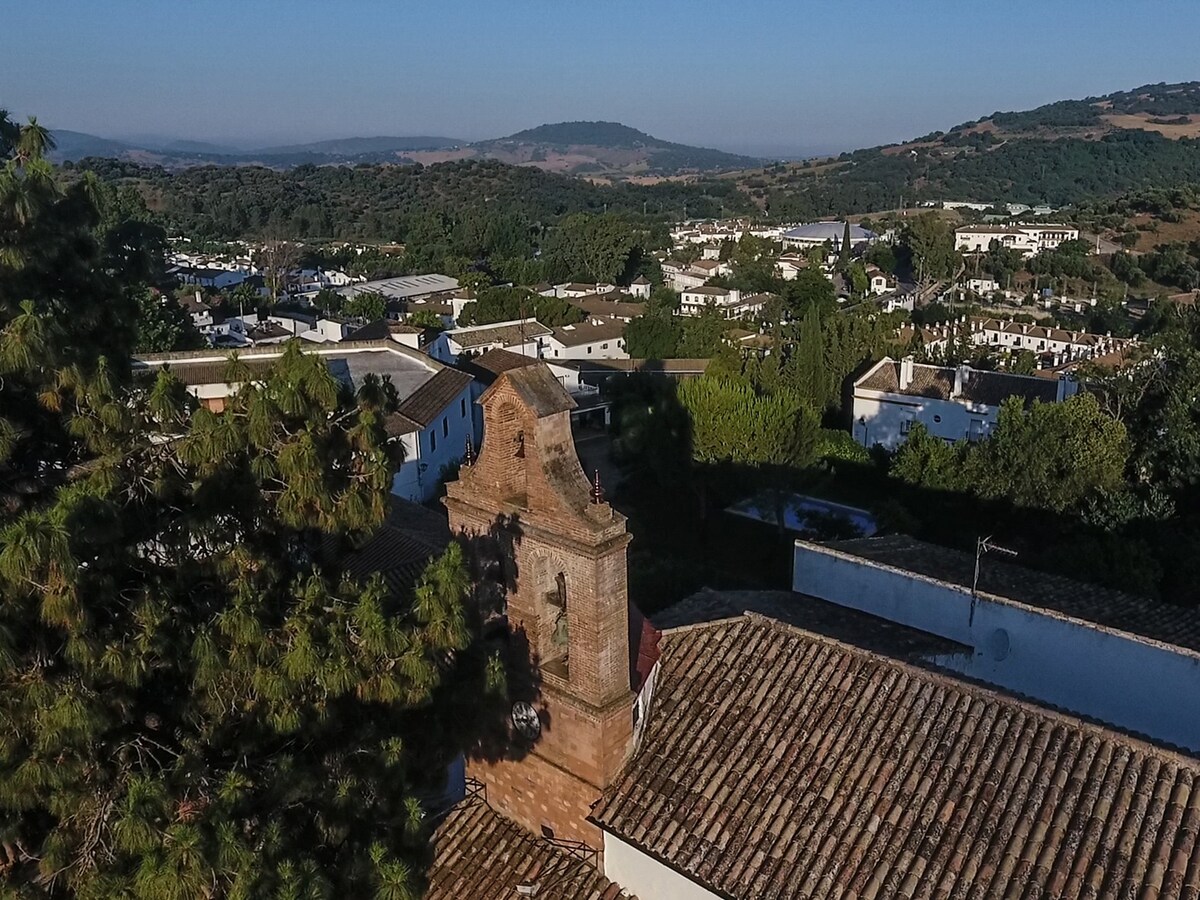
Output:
x=196 y=702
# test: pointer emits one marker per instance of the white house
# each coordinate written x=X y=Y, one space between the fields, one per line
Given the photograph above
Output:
x=952 y=403
x=1054 y=347
x=1029 y=240
x=983 y=285
x=681 y=276
x=640 y=287
x=524 y=336
x=880 y=282
x=432 y=422
x=789 y=265
x=694 y=301
x=597 y=337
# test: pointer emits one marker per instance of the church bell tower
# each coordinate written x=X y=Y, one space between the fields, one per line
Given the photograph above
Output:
x=566 y=596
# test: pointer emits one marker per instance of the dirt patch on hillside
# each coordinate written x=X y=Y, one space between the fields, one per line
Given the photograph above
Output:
x=1141 y=122
x=1168 y=232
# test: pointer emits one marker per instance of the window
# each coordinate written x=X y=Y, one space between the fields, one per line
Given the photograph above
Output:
x=937 y=418
x=432 y=441
x=463 y=406
x=589 y=349
x=445 y=426
x=906 y=426
x=604 y=346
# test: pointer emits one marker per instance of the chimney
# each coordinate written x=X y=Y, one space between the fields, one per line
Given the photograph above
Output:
x=906 y=372
x=962 y=375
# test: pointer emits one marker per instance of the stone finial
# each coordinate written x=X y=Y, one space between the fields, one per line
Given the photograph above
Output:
x=597 y=492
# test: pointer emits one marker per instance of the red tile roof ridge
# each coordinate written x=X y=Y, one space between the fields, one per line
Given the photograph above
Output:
x=979 y=690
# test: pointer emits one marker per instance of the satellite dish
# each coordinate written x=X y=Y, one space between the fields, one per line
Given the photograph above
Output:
x=525 y=720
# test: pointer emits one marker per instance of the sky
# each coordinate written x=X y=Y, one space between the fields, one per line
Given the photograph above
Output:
x=752 y=76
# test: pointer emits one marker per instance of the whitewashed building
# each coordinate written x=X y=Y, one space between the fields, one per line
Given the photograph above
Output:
x=1029 y=240
x=954 y=404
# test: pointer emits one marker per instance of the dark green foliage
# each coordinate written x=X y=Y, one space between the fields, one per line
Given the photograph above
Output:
x=197 y=702
x=367 y=305
x=162 y=325
x=653 y=337
x=806 y=371
x=731 y=422
x=503 y=304
x=399 y=203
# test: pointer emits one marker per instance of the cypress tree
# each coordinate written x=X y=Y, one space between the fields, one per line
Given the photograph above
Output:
x=195 y=701
x=806 y=369
x=844 y=249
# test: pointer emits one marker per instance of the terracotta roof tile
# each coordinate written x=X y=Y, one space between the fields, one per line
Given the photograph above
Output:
x=779 y=763
x=936 y=382
x=427 y=402
x=487 y=366
x=480 y=855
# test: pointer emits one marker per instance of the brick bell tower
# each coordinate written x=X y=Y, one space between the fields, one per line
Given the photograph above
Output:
x=566 y=595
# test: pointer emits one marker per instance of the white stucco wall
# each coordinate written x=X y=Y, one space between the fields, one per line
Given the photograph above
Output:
x=434 y=447
x=1128 y=681
x=644 y=876
x=879 y=417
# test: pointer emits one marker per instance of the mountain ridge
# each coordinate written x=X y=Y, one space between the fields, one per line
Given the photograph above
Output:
x=597 y=149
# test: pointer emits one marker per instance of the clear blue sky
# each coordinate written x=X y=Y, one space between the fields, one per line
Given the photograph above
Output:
x=764 y=77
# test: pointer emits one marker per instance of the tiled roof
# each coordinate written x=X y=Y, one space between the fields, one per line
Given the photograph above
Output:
x=812 y=614
x=538 y=387
x=487 y=366
x=501 y=334
x=383 y=329
x=1137 y=615
x=935 y=382
x=608 y=305
x=779 y=763
x=480 y=855
x=590 y=332
x=210 y=372
x=660 y=366
x=427 y=402
x=401 y=548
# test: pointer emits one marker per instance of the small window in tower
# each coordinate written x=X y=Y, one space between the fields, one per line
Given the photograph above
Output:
x=463 y=406
x=432 y=441
x=445 y=426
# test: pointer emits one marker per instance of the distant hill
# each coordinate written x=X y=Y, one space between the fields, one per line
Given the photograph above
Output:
x=360 y=145
x=1059 y=153
x=77 y=144
x=605 y=150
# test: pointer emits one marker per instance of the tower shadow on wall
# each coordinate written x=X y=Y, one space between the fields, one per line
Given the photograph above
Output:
x=502 y=662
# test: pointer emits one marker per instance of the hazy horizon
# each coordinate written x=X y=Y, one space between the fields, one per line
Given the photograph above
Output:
x=768 y=79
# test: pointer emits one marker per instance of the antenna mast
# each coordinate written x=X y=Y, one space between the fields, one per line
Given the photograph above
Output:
x=983 y=545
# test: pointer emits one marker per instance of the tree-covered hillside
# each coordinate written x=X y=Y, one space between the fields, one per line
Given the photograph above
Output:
x=384 y=202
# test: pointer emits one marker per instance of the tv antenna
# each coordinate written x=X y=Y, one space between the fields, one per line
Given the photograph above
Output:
x=983 y=545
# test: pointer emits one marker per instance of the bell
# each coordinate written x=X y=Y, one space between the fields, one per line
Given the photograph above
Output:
x=560 y=638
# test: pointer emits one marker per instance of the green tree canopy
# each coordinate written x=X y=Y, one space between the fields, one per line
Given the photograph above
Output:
x=197 y=702
x=732 y=423
x=1052 y=456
